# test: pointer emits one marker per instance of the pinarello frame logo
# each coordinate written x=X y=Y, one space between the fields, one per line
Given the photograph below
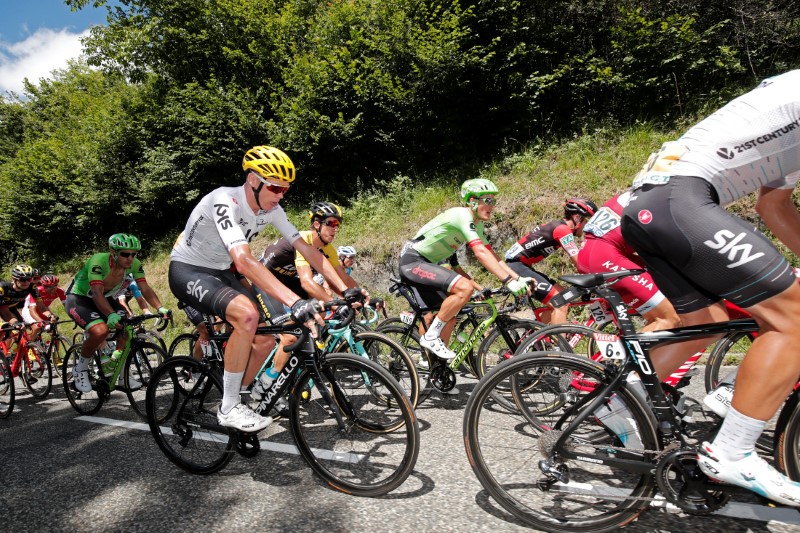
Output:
x=645 y=216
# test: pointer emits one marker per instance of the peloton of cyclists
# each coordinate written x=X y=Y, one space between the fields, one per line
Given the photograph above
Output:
x=13 y=294
x=92 y=302
x=438 y=240
x=49 y=291
x=542 y=242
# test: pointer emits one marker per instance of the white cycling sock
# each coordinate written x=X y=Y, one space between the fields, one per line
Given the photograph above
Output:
x=738 y=435
x=232 y=383
x=435 y=330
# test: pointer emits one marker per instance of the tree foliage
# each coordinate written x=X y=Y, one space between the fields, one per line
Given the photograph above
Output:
x=172 y=92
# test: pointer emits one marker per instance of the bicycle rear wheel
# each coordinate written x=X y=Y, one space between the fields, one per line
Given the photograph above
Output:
x=182 y=401
x=409 y=340
x=86 y=403
x=6 y=388
x=504 y=448
x=37 y=374
x=183 y=345
x=57 y=351
x=377 y=448
x=140 y=365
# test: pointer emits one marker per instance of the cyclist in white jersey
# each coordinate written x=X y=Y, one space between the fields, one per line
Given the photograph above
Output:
x=699 y=253
x=217 y=234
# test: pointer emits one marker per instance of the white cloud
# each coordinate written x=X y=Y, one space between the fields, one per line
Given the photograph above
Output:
x=36 y=57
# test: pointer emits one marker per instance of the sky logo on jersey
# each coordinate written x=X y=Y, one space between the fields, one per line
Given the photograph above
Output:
x=726 y=242
x=645 y=216
x=193 y=288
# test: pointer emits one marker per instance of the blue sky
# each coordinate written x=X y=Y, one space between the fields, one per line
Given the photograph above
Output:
x=37 y=36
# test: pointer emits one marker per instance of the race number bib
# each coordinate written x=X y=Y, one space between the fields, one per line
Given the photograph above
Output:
x=602 y=222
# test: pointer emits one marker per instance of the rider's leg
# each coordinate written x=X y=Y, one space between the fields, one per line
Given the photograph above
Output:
x=667 y=358
x=460 y=294
x=261 y=348
x=243 y=316
x=95 y=336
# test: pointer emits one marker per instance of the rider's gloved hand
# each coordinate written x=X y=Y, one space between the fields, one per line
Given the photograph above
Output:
x=163 y=311
x=355 y=294
x=304 y=310
x=518 y=286
x=112 y=320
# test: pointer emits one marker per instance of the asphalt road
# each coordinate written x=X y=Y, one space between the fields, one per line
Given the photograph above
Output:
x=66 y=473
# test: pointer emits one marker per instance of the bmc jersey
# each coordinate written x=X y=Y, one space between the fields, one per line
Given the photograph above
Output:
x=751 y=142
x=605 y=224
x=10 y=297
x=442 y=236
x=221 y=221
x=95 y=271
x=541 y=242
x=282 y=259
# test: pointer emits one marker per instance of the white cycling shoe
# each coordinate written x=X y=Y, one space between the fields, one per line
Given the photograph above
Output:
x=751 y=472
x=80 y=378
x=437 y=347
x=133 y=382
x=244 y=419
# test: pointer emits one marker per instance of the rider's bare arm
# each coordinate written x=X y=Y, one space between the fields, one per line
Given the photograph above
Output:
x=492 y=262
x=779 y=213
x=252 y=269
x=321 y=265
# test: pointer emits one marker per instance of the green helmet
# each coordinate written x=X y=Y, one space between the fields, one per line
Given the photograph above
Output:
x=477 y=187
x=124 y=241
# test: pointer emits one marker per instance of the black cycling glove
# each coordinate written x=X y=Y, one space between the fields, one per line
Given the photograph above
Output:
x=304 y=310
x=353 y=295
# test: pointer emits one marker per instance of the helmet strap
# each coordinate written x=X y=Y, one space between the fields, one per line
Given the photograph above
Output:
x=473 y=203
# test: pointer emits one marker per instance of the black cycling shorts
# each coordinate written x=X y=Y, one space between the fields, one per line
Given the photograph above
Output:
x=272 y=307
x=84 y=312
x=431 y=283
x=699 y=253
x=207 y=290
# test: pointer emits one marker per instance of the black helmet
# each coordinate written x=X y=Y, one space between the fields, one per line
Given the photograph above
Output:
x=580 y=206
x=323 y=210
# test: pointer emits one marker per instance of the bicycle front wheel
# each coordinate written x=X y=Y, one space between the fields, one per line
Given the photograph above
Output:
x=86 y=403
x=140 y=365
x=183 y=345
x=519 y=464
x=375 y=446
x=36 y=371
x=6 y=388
x=391 y=355
x=408 y=338
x=58 y=351
x=182 y=401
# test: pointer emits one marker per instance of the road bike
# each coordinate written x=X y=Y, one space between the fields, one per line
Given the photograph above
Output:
x=349 y=418
x=589 y=474
x=482 y=324
x=54 y=345
x=27 y=361
x=7 y=389
x=131 y=373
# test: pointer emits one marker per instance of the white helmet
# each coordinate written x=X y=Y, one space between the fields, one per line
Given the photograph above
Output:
x=346 y=251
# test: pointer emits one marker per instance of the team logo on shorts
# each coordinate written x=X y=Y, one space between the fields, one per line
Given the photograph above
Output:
x=645 y=216
x=725 y=153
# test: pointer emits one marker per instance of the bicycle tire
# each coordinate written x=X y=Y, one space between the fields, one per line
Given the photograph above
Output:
x=7 y=391
x=342 y=457
x=183 y=345
x=422 y=359
x=501 y=446
x=36 y=372
x=57 y=351
x=391 y=355
x=181 y=405
x=86 y=403
x=141 y=363
x=737 y=343
x=148 y=335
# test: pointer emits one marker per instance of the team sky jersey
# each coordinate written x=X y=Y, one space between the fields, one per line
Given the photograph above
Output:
x=221 y=221
x=752 y=141
x=442 y=236
x=47 y=298
x=282 y=259
x=605 y=224
x=10 y=297
x=541 y=242
x=95 y=271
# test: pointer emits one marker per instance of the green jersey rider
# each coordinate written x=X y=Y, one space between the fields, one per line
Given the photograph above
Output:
x=437 y=286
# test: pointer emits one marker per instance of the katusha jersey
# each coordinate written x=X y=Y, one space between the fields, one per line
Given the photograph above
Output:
x=751 y=142
x=542 y=242
x=444 y=234
x=605 y=224
x=221 y=221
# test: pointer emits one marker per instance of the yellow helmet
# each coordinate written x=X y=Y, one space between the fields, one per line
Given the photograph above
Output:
x=269 y=163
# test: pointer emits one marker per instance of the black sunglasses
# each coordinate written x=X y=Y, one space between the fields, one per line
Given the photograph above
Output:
x=127 y=254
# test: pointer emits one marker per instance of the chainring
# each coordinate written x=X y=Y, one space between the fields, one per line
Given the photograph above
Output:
x=683 y=484
x=442 y=378
x=247 y=444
